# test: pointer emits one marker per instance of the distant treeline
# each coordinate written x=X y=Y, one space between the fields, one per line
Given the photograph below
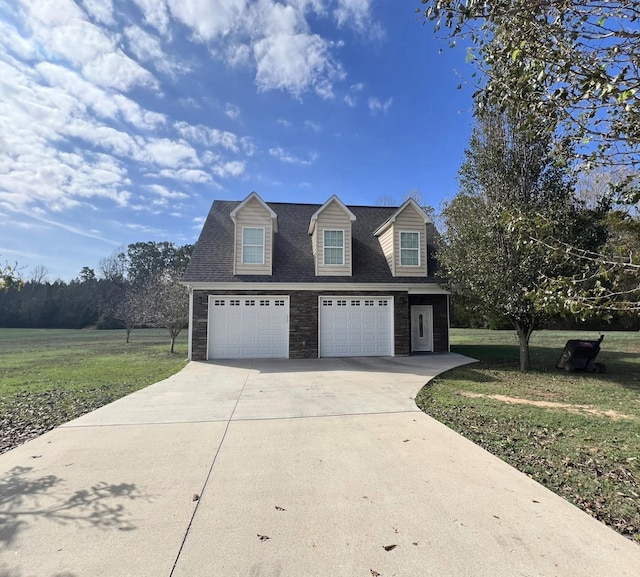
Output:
x=111 y=298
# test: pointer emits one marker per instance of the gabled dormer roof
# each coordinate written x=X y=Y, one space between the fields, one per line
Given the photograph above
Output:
x=293 y=260
x=407 y=203
x=334 y=198
x=256 y=196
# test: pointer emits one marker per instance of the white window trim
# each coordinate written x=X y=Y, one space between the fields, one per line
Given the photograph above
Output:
x=263 y=229
x=400 y=249
x=344 y=241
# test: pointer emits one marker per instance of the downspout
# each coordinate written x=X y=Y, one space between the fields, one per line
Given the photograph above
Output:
x=448 y=325
x=190 y=334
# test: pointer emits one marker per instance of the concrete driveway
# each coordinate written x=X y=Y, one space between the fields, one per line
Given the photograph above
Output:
x=285 y=468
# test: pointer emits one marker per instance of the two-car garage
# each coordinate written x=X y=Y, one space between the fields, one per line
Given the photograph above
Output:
x=242 y=326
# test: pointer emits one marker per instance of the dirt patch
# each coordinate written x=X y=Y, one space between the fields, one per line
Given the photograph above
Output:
x=577 y=409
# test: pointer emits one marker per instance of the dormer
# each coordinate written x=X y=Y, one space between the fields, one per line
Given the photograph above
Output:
x=330 y=230
x=403 y=238
x=255 y=226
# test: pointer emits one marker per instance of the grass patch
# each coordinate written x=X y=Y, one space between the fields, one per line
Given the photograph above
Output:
x=49 y=376
x=589 y=458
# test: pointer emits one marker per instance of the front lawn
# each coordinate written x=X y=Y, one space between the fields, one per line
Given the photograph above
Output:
x=50 y=376
x=578 y=434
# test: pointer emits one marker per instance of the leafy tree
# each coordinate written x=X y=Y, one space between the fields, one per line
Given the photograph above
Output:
x=146 y=260
x=87 y=275
x=508 y=177
x=10 y=276
x=605 y=281
x=576 y=62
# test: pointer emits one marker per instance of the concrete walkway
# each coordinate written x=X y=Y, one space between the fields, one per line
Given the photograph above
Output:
x=285 y=468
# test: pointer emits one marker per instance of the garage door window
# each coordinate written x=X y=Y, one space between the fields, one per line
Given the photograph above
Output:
x=334 y=247
x=252 y=245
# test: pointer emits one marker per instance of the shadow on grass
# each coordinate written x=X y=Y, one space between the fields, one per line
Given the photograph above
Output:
x=26 y=499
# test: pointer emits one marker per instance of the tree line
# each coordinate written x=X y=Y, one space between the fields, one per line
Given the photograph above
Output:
x=134 y=287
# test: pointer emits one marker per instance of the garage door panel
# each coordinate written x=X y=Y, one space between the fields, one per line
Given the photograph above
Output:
x=242 y=327
x=355 y=326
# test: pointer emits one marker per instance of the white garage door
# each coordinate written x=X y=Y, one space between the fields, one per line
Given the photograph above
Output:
x=356 y=326
x=242 y=327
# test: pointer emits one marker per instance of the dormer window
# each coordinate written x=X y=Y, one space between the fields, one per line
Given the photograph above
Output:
x=409 y=248
x=330 y=230
x=403 y=238
x=252 y=245
x=334 y=247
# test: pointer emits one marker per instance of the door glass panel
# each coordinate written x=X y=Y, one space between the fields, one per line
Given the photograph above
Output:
x=420 y=326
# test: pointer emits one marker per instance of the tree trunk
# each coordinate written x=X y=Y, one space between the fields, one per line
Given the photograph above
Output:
x=524 y=334
x=128 y=329
x=173 y=341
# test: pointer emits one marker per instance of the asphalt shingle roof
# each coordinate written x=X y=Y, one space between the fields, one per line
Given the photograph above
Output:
x=212 y=260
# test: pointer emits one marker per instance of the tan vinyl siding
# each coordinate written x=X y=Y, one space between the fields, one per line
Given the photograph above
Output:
x=386 y=242
x=410 y=221
x=253 y=214
x=333 y=218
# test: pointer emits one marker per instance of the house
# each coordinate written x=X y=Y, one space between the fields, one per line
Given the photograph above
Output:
x=293 y=280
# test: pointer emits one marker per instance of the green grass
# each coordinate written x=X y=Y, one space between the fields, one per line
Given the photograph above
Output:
x=593 y=460
x=49 y=376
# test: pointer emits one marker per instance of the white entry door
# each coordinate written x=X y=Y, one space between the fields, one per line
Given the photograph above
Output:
x=245 y=327
x=422 y=328
x=356 y=326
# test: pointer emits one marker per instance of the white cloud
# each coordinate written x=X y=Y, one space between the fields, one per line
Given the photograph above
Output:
x=295 y=63
x=280 y=154
x=148 y=48
x=356 y=14
x=117 y=70
x=101 y=10
x=204 y=135
x=208 y=18
x=275 y=38
x=233 y=168
x=155 y=13
x=314 y=126
x=376 y=106
x=105 y=104
x=169 y=153
x=351 y=97
x=232 y=111
x=186 y=175
x=238 y=54
x=62 y=31
x=164 y=192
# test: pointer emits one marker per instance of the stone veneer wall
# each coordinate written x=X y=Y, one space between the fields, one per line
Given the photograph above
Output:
x=303 y=319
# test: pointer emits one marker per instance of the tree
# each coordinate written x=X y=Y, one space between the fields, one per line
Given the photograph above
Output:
x=508 y=176
x=146 y=260
x=568 y=61
x=39 y=274
x=135 y=286
x=605 y=280
x=166 y=305
x=10 y=276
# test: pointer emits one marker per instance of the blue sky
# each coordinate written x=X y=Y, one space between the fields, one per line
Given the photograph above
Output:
x=122 y=120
